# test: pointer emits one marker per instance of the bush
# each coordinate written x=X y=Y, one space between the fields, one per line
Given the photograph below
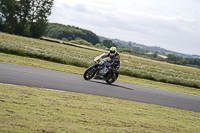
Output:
x=82 y=42
x=126 y=50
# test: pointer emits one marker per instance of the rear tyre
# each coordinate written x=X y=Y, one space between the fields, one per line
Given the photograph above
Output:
x=112 y=78
x=89 y=73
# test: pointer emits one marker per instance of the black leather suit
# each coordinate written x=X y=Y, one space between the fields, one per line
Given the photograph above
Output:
x=115 y=61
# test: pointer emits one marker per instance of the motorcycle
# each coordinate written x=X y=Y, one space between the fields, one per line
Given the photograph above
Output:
x=101 y=70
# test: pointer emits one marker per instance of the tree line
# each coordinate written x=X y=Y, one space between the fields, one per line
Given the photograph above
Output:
x=68 y=33
x=170 y=57
x=25 y=17
x=183 y=61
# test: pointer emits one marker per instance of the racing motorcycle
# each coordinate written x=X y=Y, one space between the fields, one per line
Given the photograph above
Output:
x=101 y=70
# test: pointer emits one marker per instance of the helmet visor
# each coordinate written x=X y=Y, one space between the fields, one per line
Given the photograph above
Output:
x=112 y=52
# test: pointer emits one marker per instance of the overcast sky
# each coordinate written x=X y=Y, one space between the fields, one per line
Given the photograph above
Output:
x=169 y=24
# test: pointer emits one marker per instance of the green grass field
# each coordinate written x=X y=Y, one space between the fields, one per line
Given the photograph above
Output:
x=28 y=109
x=82 y=56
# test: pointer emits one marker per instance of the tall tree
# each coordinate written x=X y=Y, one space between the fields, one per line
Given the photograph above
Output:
x=25 y=17
x=40 y=10
x=23 y=12
x=7 y=14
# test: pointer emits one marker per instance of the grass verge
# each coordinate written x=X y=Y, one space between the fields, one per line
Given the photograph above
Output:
x=29 y=109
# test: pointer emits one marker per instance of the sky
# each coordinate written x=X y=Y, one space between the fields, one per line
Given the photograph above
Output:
x=169 y=24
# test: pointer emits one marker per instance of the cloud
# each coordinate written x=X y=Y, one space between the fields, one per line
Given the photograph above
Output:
x=106 y=19
x=109 y=16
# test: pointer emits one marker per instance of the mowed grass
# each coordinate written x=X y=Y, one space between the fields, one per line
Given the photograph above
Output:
x=82 y=56
x=28 y=109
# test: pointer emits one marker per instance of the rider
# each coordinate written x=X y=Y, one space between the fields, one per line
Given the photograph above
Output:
x=114 y=59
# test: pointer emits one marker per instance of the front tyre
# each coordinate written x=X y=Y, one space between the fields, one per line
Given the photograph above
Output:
x=112 y=78
x=89 y=73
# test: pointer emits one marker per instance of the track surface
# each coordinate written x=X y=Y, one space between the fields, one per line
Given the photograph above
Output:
x=37 y=77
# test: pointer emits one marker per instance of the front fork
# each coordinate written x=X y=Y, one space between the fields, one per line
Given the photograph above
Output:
x=95 y=68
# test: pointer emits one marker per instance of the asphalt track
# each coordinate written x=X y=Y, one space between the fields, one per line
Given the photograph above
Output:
x=37 y=77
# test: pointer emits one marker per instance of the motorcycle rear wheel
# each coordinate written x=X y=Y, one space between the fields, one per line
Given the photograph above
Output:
x=112 y=78
x=89 y=73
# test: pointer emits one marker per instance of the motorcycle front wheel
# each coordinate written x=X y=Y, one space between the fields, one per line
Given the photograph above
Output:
x=89 y=73
x=112 y=78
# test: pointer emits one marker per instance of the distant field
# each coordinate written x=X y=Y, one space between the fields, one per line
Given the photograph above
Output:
x=83 y=56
